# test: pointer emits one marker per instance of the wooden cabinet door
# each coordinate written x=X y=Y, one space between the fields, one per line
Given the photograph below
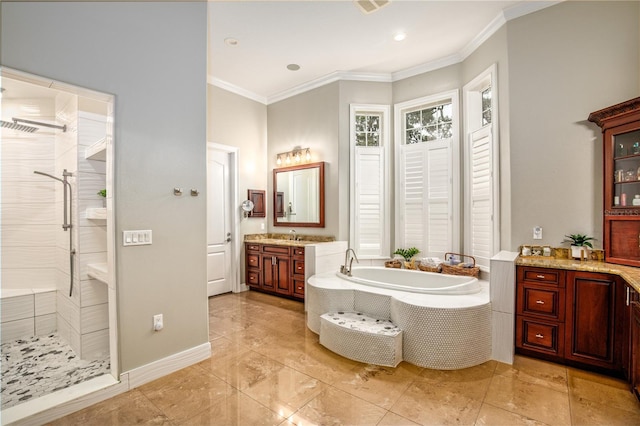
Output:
x=269 y=275
x=282 y=272
x=622 y=239
x=591 y=318
x=634 y=373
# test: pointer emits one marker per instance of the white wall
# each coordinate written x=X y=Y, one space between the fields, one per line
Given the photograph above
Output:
x=565 y=62
x=152 y=57
x=240 y=122
x=308 y=120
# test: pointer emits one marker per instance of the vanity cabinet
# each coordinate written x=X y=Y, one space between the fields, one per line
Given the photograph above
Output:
x=572 y=317
x=634 y=362
x=620 y=125
x=275 y=269
x=540 y=312
x=597 y=320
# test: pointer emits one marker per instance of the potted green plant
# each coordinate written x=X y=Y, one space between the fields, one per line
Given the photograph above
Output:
x=103 y=194
x=579 y=242
x=407 y=254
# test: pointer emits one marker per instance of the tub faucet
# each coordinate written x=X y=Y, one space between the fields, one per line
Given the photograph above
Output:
x=292 y=232
x=348 y=262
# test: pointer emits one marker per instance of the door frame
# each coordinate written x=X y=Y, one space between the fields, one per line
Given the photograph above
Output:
x=233 y=212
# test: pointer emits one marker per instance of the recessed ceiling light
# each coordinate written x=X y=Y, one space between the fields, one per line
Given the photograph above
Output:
x=399 y=36
x=230 y=41
x=293 y=67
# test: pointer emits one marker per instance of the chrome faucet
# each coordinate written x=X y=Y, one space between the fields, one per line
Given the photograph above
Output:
x=348 y=262
x=293 y=231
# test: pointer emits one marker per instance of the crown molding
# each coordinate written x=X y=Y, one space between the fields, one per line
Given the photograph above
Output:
x=528 y=7
x=502 y=18
x=235 y=89
x=329 y=78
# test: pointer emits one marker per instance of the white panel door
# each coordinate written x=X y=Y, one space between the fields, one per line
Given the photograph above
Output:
x=218 y=222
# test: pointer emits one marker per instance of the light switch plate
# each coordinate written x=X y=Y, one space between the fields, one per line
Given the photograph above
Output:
x=136 y=238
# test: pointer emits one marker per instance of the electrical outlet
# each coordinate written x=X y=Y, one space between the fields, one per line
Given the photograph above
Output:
x=537 y=232
x=158 y=322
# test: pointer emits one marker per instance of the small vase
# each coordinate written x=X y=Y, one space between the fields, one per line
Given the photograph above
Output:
x=576 y=252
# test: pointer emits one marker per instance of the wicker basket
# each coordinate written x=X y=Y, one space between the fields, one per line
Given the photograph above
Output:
x=393 y=264
x=430 y=268
x=473 y=271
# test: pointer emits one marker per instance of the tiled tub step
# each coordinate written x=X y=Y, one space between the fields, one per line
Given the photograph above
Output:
x=359 y=337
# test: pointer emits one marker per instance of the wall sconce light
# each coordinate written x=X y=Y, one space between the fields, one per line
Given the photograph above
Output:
x=297 y=156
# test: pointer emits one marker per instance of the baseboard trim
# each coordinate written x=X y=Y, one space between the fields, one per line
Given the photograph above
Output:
x=154 y=370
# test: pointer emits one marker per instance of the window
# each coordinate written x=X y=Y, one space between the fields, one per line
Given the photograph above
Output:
x=481 y=237
x=428 y=124
x=427 y=154
x=369 y=199
x=367 y=129
x=486 y=106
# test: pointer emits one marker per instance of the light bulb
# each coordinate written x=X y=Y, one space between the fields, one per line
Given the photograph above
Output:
x=288 y=160
x=298 y=157
x=279 y=161
x=308 y=155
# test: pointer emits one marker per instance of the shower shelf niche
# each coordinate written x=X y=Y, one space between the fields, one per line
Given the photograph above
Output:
x=98 y=271
x=97 y=151
x=96 y=213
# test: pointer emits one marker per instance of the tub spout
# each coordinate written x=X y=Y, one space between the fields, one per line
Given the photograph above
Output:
x=348 y=262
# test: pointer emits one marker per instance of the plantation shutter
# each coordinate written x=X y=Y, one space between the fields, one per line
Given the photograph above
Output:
x=439 y=197
x=369 y=201
x=481 y=208
x=426 y=197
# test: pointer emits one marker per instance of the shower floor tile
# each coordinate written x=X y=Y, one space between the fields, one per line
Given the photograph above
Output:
x=36 y=366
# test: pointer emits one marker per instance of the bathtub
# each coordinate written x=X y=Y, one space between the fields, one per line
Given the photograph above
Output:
x=413 y=281
x=445 y=320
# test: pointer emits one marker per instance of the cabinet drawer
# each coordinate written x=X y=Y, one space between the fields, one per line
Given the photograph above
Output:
x=554 y=277
x=298 y=288
x=253 y=277
x=541 y=301
x=253 y=247
x=298 y=267
x=298 y=251
x=253 y=260
x=276 y=249
x=547 y=337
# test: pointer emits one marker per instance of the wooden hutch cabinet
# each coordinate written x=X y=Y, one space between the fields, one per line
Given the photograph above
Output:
x=621 y=136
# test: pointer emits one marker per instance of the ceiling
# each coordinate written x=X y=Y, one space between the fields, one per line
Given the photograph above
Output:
x=335 y=39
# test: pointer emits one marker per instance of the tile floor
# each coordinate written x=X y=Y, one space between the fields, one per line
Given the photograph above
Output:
x=39 y=365
x=267 y=368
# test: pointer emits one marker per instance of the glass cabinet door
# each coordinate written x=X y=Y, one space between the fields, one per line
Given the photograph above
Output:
x=626 y=170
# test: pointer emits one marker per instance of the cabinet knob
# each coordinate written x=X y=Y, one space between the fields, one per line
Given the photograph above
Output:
x=539 y=336
x=540 y=302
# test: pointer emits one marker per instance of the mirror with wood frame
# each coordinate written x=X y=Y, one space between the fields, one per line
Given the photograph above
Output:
x=298 y=195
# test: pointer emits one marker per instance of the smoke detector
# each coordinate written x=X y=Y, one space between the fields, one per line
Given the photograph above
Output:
x=370 y=6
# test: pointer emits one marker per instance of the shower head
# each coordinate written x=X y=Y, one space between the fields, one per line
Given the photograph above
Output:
x=39 y=123
x=16 y=126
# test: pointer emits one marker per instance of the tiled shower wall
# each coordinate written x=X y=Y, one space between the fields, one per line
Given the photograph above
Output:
x=29 y=222
x=83 y=317
x=28 y=201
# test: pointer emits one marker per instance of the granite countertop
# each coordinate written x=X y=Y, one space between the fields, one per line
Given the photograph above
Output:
x=284 y=239
x=629 y=273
